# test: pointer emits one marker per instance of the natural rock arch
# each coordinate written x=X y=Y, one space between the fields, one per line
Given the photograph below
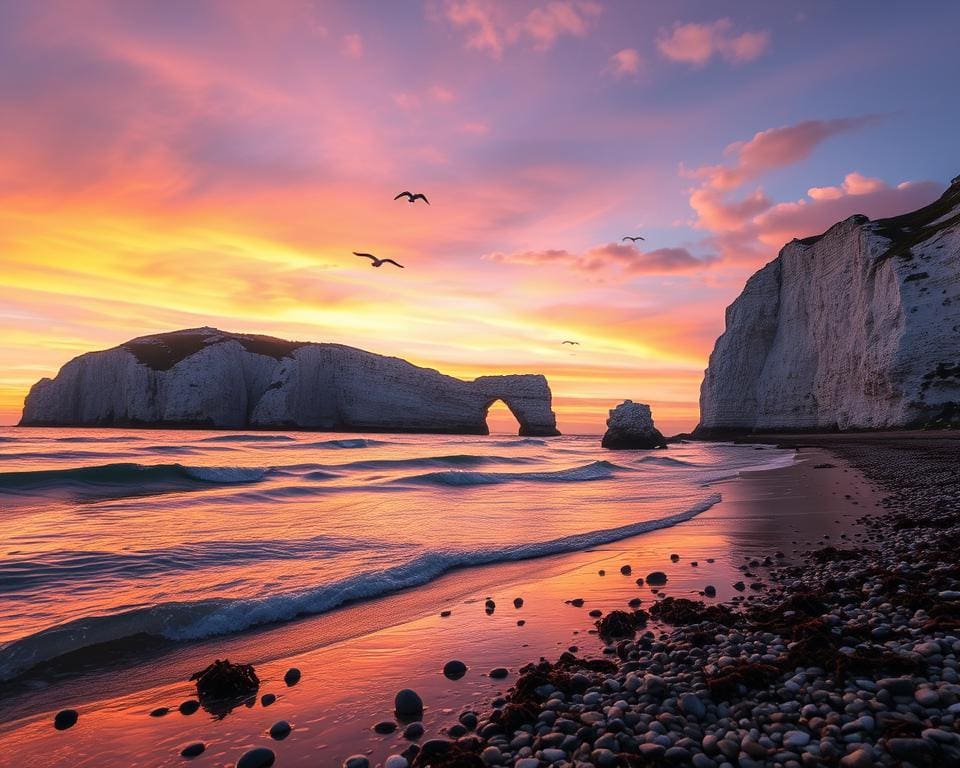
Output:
x=491 y=404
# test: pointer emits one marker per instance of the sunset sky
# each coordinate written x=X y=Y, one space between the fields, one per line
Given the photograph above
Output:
x=182 y=163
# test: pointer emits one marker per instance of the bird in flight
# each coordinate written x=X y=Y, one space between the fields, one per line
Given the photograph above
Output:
x=412 y=198
x=572 y=342
x=633 y=239
x=375 y=262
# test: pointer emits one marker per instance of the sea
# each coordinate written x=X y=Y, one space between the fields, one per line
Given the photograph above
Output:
x=111 y=535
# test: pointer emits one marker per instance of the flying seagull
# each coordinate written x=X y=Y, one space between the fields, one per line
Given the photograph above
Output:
x=572 y=342
x=412 y=198
x=377 y=262
x=633 y=239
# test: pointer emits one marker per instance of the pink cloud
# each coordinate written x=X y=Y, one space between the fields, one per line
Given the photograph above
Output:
x=626 y=62
x=746 y=227
x=697 y=44
x=475 y=128
x=546 y=24
x=776 y=148
x=857 y=194
x=352 y=46
x=491 y=28
x=615 y=257
x=441 y=94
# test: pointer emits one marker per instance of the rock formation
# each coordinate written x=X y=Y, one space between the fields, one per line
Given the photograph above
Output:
x=858 y=328
x=631 y=426
x=203 y=377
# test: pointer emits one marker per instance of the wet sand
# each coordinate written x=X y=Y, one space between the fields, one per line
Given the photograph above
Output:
x=356 y=658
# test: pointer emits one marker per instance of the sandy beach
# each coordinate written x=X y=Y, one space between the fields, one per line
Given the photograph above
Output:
x=354 y=659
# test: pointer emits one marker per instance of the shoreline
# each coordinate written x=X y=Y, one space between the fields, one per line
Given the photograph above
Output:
x=483 y=642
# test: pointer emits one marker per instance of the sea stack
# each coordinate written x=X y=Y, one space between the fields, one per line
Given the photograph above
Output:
x=204 y=377
x=630 y=426
x=854 y=329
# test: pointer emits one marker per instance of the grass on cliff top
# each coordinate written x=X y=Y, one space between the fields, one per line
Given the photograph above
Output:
x=910 y=229
x=162 y=352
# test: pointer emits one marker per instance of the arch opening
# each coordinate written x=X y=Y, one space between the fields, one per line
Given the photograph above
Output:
x=500 y=419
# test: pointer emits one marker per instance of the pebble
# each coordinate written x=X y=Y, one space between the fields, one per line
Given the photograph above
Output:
x=159 y=711
x=281 y=729
x=193 y=749
x=444 y=614
x=518 y=602
x=355 y=761
x=385 y=726
x=267 y=699
x=454 y=669
x=408 y=704
x=189 y=706
x=258 y=757
x=65 y=718
x=710 y=590
x=292 y=676
x=396 y=761
x=796 y=739
x=860 y=758
x=656 y=578
x=413 y=731
x=499 y=673
x=691 y=704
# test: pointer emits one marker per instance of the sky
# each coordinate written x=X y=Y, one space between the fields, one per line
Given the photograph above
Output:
x=215 y=162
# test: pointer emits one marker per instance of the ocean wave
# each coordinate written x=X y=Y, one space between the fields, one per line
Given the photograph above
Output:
x=519 y=441
x=595 y=470
x=455 y=460
x=186 y=621
x=348 y=443
x=247 y=439
x=665 y=461
x=94 y=439
x=128 y=474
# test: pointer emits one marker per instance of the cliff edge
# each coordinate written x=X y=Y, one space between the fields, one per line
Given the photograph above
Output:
x=855 y=329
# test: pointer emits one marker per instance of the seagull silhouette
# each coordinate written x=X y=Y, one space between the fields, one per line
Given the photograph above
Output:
x=633 y=239
x=412 y=198
x=377 y=262
x=572 y=342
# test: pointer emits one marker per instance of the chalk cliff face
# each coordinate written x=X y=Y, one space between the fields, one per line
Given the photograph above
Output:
x=203 y=377
x=858 y=328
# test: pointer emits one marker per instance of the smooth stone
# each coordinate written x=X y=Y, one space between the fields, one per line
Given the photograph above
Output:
x=517 y=602
x=396 y=761
x=444 y=614
x=656 y=578
x=710 y=590
x=454 y=669
x=189 y=707
x=193 y=749
x=554 y=755
x=280 y=730
x=691 y=704
x=408 y=704
x=65 y=718
x=413 y=731
x=258 y=757
x=793 y=739
x=499 y=673
x=625 y=570
x=385 y=726
x=861 y=758
x=355 y=761
x=267 y=699
x=159 y=711
x=492 y=756
x=292 y=676
x=527 y=762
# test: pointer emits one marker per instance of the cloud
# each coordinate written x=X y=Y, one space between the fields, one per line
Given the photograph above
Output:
x=825 y=206
x=626 y=62
x=776 y=148
x=615 y=257
x=352 y=46
x=697 y=44
x=748 y=226
x=491 y=28
x=441 y=94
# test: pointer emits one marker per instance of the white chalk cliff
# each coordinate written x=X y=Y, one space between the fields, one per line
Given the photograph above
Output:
x=203 y=377
x=858 y=328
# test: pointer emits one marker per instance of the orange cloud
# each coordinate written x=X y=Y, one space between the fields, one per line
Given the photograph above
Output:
x=697 y=44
